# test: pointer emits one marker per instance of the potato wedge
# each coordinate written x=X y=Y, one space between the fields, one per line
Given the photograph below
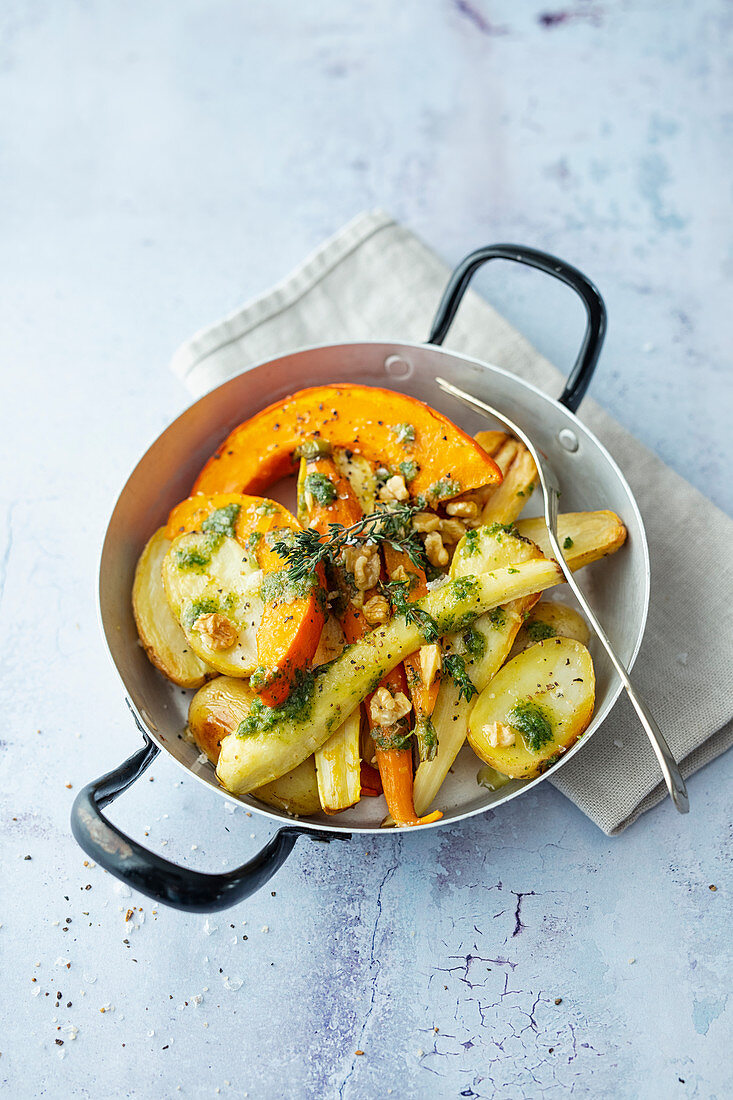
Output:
x=200 y=583
x=588 y=535
x=213 y=714
x=270 y=742
x=160 y=633
x=549 y=619
x=534 y=709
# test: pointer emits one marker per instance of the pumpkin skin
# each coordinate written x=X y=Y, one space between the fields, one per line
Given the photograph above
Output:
x=387 y=428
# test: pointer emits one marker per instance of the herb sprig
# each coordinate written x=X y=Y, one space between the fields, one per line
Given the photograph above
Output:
x=455 y=666
x=396 y=592
x=306 y=550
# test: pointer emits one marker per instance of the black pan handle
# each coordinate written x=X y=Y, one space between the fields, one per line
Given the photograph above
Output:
x=595 y=329
x=159 y=879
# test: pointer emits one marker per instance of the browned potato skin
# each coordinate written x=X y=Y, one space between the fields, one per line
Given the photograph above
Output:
x=211 y=718
x=594 y=535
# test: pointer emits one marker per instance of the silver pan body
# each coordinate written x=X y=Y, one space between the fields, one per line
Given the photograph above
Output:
x=618 y=587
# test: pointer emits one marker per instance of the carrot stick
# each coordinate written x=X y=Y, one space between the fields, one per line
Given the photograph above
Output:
x=394 y=763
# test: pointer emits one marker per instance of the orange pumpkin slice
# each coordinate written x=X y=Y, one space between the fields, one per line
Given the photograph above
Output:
x=293 y=615
x=437 y=459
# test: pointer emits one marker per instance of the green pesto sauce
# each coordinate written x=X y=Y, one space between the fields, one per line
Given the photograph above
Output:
x=279 y=587
x=471 y=543
x=313 y=448
x=222 y=521
x=533 y=723
x=405 y=433
x=267 y=508
x=320 y=488
x=567 y=545
x=253 y=540
x=464 y=587
x=444 y=488
x=409 y=469
x=497 y=617
x=496 y=530
x=207 y=605
x=537 y=631
x=474 y=642
x=194 y=559
x=297 y=707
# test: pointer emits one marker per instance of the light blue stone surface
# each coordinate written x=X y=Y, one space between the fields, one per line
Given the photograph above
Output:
x=161 y=163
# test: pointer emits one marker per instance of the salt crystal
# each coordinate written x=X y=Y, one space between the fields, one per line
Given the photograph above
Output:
x=61 y=961
x=265 y=928
x=122 y=890
x=229 y=807
x=233 y=984
x=89 y=979
x=71 y=1031
x=209 y=928
x=197 y=999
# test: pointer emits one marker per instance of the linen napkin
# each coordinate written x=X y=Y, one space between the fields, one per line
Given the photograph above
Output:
x=375 y=280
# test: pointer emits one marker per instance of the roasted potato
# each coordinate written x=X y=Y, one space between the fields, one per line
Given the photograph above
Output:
x=215 y=600
x=214 y=713
x=160 y=633
x=584 y=536
x=549 y=619
x=534 y=709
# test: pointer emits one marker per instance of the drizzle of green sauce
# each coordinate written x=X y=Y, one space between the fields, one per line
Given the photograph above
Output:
x=567 y=545
x=471 y=543
x=537 y=631
x=475 y=642
x=533 y=723
x=297 y=707
x=444 y=488
x=320 y=488
x=497 y=617
x=405 y=433
x=267 y=508
x=279 y=587
x=464 y=587
x=222 y=521
x=409 y=469
x=206 y=605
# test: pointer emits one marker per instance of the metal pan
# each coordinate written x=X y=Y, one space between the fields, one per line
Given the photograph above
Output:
x=618 y=587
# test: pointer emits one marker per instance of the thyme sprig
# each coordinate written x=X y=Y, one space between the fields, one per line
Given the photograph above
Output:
x=305 y=550
x=455 y=666
x=396 y=592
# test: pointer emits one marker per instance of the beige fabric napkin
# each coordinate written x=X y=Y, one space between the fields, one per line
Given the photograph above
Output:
x=376 y=280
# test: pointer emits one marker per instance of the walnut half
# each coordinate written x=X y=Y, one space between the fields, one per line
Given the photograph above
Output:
x=220 y=631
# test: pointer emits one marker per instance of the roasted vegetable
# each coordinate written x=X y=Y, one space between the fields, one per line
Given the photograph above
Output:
x=484 y=648
x=282 y=619
x=212 y=716
x=160 y=633
x=503 y=503
x=270 y=742
x=548 y=619
x=584 y=536
x=387 y=428
x=325 y=497
x=338 y=761
x=534 y=709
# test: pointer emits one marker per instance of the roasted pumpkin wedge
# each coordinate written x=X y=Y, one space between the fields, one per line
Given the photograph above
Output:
x=160 y=632
x=212 y=715
x=534 y=709
x=265 y=627
x=391 y=430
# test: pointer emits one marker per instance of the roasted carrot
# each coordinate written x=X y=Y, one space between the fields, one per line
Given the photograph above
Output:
x=423 y=682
